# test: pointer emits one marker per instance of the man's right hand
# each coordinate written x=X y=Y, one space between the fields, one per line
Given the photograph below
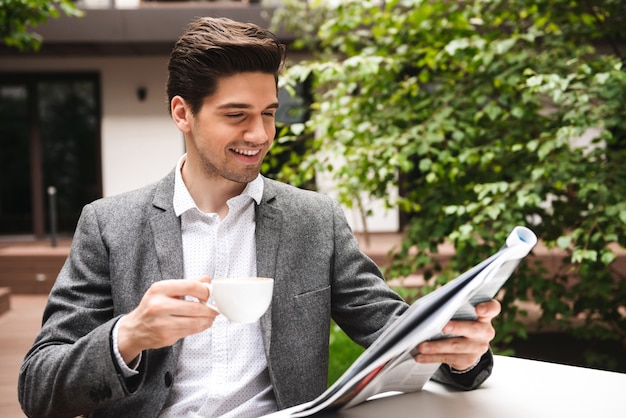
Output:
x=163 y=317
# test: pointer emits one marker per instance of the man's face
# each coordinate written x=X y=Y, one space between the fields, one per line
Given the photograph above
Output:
x=234 y=129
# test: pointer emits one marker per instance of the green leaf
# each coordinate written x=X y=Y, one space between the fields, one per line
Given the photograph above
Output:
x=297 y=128
x=564 y=241
x=579 y=255
x=607 y=257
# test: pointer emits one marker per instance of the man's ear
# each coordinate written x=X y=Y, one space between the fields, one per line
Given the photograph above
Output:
x=181 y=113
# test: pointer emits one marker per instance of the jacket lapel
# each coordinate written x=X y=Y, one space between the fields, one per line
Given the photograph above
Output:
x=167 y=236
x=268 y=227
x=166 y=231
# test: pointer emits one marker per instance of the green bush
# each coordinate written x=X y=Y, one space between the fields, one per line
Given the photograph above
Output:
x=474 y=109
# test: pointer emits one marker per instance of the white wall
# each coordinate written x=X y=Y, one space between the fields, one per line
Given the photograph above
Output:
x=140 y=141
x=382 y=218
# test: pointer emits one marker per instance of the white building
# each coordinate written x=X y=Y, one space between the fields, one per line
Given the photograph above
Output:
x=86 y=116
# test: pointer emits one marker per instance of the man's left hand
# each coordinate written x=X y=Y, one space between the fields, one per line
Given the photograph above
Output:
x=471 y=340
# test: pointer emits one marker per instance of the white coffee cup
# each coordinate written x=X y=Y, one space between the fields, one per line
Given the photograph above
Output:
x=241 y=299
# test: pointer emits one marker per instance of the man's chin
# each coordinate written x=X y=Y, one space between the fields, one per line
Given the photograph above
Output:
x=244 y=178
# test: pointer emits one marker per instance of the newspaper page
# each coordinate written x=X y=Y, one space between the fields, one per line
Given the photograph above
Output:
x=388 y=364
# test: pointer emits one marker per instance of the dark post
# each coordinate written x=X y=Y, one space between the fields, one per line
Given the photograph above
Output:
x=52 y=195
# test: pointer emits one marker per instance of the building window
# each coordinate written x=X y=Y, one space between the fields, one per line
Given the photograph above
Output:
x=49 y=140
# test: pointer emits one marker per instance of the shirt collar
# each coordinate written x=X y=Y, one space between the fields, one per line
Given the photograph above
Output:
x=183 y=200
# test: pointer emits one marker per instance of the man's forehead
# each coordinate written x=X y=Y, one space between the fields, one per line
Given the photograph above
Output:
x=245 y=91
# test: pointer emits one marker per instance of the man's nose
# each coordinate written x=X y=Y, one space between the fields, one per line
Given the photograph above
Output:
x=256 y=130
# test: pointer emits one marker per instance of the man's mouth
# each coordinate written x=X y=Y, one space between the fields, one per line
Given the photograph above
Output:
x=247 y=152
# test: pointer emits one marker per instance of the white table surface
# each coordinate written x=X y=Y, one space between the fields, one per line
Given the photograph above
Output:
x=518 y=388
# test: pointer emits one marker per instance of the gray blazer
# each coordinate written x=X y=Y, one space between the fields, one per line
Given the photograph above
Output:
x=124 y=243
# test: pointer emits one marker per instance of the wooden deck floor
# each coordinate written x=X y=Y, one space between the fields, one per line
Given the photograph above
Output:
x=18 y=328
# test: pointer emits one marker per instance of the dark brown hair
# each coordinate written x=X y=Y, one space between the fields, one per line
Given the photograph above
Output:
x=213 y=48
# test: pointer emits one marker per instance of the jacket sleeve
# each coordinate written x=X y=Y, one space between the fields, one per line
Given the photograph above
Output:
x=362 y=302
x=70 y=368
x=364 y=305
x=468 y=380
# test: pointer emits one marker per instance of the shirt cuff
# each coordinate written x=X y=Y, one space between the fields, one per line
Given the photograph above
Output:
x=127 y=370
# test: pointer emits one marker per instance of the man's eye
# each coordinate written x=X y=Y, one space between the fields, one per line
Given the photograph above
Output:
x=234 y=115
x=270 y=114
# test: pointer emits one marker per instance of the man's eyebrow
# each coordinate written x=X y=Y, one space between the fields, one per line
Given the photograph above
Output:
x=273 y=105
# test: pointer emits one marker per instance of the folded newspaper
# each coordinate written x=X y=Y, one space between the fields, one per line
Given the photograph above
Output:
x=388 y=364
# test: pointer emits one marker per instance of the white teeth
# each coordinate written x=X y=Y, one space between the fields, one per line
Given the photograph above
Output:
x=246 y=152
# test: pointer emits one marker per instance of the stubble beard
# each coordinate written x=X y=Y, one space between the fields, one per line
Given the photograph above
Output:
x=242 y=176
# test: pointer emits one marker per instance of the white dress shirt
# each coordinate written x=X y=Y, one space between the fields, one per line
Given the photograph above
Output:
x=221 y=372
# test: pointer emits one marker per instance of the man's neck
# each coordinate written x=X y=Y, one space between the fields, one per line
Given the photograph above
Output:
x=210 y=193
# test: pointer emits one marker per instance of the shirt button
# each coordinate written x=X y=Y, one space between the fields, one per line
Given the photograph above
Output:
x=168 y=379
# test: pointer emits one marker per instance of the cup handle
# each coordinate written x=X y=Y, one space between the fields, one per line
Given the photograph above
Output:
x=211 y=302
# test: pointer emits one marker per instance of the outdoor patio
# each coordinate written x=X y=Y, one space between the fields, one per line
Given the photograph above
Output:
x=28 y=269
x=18 y=328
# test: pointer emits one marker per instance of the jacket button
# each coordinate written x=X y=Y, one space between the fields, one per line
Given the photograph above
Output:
x=168 y=379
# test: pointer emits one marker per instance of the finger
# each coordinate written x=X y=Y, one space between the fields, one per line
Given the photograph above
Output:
x=191 y=324
x=161 y=306
x=459 y=353
x=205 y=279
x=485 y=312
x=457 y=345
x=178 y=317
x=488 y=310
x=191 y=309
x=179 y=288
x=456 y=361
x=475 y=330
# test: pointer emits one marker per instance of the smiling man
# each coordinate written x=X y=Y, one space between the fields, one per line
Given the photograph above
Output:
x=123 y=333
x=227 y=138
